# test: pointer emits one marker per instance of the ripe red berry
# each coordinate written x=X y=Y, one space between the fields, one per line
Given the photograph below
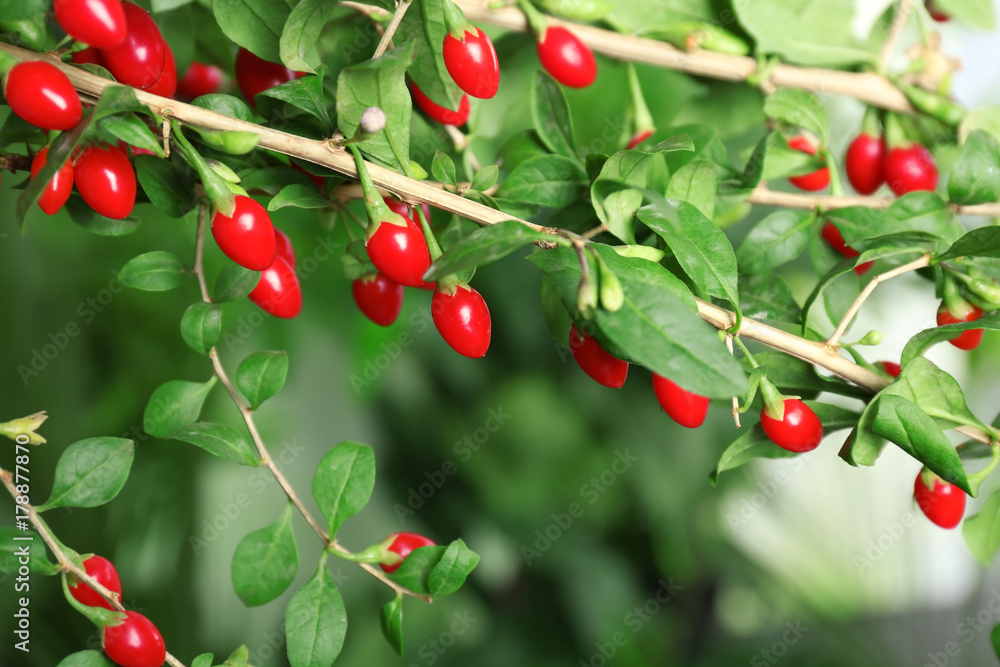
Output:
x=166 y=84
x=105 y=573
x=891 y=367
x=89 y=55
x=463 y=320
x=378 y=298
x=278 y=292
x=595 y=361
x=400 y=252
x=403 y=545
x=864 y=163
x=138 y=60
x=472 y=63
x=799 y=430
x=402 y=209
x=106 y=181
x=284 y=247
x=684 y=407
x=941 y=502
x=813 y=181
x=832 y=235
x=639 y=138
x=566 y=58
x=255 y=75
x=200 y=79
x=56 y=193
x=441 y=114
x=42 y=95
x=910 y=169
x=969 y=339
x=99 y=23
x=936 y=13
x=247 y=237
x=135 y=642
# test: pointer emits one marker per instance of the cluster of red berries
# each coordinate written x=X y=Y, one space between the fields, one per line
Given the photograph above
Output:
x=402 y=545
x=133 y=643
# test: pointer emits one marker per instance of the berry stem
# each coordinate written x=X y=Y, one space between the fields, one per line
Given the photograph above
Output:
x=640 y=110
x=378 y=210
x=539 y=25
x=871 y=125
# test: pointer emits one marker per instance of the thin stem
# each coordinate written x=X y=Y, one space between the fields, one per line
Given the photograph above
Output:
x=899 y=21
x=867 y=292
x=744 y=350
x=65 y=562
x=736 y=400
x=390 y=30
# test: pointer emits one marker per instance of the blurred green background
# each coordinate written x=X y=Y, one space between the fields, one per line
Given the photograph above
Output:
x=803 y=561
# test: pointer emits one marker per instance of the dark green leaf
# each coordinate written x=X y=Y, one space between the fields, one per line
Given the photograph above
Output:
x=262 y=375
x=234 y=282
x=167 y=190
x=298 y=195
x=88 y=659
x=425 y=28
x=305 y=93
x=926 y=212
x=315 y=622
x=415 y=571
x=696 y=183
x=981 y=242
x=776 y=240
x=116 y=100
x=201 y=326
x=995 y=640
x=265 y=562
x=546 y=180
x=90 y=473
x=800 y=109
x=302 y=30
x=448 y=575
x=253 y=24
x=173 y=405
x=551 y=116
x=485 y=245
x=59 y=151
x=767 y=296
x=219 y=440
x=227 y=105
x=343 y=482
x=93 y=222
x=391 y=619
x=156 y=271
x=982 y=531
x=443 y=168
x=12 y=540
x=616 y=192
x=975 y=178
x=133 y=131
x=930 y=337
x=903 y=422
x=16 y=10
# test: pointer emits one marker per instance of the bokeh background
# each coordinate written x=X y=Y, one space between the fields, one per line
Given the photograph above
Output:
x=802 y=561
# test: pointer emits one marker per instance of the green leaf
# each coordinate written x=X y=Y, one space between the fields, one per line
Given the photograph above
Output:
x=776 y=240
x=201 y=326
x=299 y=196
x=234 y=282
x=448 y=575
x=302 y=30
x=926 y=212
x=982 y=531
x=547 y=180
x=616 y=192
x=343 y=482
x=766 y=296
x=979 y=13
x=485 y=178
x=930 y=337
x=315 y=622
x=485 y=245
x=172 y=194
x=133 y=131
x=59 y=151
x=443 y=168
x=234 y=142
x=156 y=271
x=981 y=242
x=305 y=93
x=696 y=183
x=262 y=375
x=93 y=222
x=800 y=109
x=16 y=10
x=218 y=440
x=90 y=473
x=116 y=100
x=424 y=26
x=903 y=423
x=551 y=116
x=12 y=540
x=987 y=118
x=701 y=248
x=391 y=620
x=265 y=562
x=173 y=405
x=379 y=83
x=238 y=658
x=87 y=659
x=227 y=105
x=794 y=376
x=975 y=178
x=253 y=24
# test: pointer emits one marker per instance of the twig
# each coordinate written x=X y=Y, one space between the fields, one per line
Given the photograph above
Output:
x=65 y=563
x=867 y=292
x=391 y=28
x=736 y=400
x=899 y=21
x=868 y=87
x=265 y=457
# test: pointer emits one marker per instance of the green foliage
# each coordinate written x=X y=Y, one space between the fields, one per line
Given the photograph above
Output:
x=315 y=622
x=90 y=473
x=343 y=482
x=261 y=376
x=266 y=561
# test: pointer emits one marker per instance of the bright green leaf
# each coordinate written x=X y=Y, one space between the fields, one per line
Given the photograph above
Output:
x=265 y=562
x=315 y=622
x=219 y=440
x=174 y=404
x=262 y=375
x=156 y=271
x=90 y=473
x=343 y=482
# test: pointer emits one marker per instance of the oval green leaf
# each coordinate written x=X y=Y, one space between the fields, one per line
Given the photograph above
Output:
x=265 y=562
x=343 y=482
x=90 y=473
x=262 y=375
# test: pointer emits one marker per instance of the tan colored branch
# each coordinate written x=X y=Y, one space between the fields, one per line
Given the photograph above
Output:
x=867 y=87
x=766 y=197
